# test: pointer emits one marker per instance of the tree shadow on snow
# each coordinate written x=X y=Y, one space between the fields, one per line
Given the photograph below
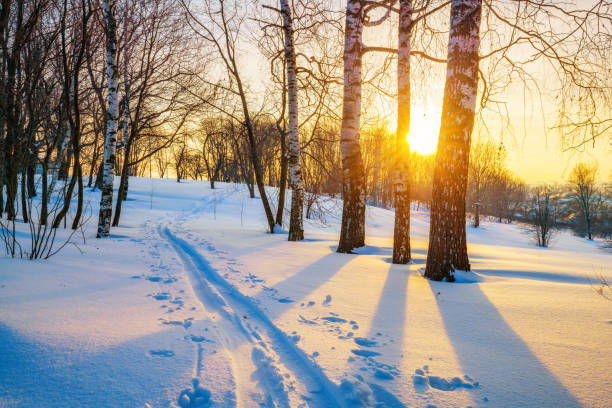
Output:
x=305 y=282
x=259 y=243
x=390 y=312
x=385 y=337
x=129 y=374
x=492 y=353
x=74 y=291
x=538 y=275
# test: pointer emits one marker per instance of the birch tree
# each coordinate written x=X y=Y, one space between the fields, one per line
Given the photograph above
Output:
x=296 y=223
x=447 y=242
x=352 y=232
x=401 y=185
x=112 y=117
x=354 y=192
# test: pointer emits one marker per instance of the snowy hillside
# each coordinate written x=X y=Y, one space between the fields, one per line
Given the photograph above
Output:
x=192 y=304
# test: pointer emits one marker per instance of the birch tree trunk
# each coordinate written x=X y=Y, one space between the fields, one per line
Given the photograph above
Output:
x=447 y=242
x=352 y=232
x=401 y=186
x=126 y=104
x=112 y=117
x=296 y=223
x=125 y=143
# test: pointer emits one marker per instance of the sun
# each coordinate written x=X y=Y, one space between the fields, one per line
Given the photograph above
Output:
x=424 y=130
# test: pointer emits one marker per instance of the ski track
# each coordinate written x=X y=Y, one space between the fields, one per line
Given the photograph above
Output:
x=267 y=368
x=164 y=276
x=275 y=356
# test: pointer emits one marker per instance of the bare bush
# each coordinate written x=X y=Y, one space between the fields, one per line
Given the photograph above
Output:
x=543 y=213
x=41 y=237
x=585 y=192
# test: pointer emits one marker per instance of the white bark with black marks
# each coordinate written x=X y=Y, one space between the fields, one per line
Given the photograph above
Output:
x=447 y=241
x=352 y=232
x=401 y=186
x=112 y=118
x=296 y=224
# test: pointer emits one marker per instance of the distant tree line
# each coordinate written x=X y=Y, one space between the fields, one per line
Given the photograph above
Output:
x=583 y=204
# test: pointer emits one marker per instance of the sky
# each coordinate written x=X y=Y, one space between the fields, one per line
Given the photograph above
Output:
x=538 y=158
x=535 y=151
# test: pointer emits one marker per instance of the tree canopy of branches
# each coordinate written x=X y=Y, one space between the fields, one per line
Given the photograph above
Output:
x=584 y=188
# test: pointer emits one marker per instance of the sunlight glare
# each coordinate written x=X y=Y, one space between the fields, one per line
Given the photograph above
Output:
x=424 y=129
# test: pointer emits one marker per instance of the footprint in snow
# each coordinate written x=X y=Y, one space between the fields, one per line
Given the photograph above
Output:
x=334 y=319
x=161 y=296
x=185 y=323
x=161 y=353
x=422 y=380
x=200 y=339
x=383 y=375
x=196 y=397
x=362 y=341
x=302 y=319
x=365 y=353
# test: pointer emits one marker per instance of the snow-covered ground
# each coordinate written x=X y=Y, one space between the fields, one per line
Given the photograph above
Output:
x=191 y=303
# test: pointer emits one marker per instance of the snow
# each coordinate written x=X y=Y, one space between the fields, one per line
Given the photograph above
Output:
x=191 y=303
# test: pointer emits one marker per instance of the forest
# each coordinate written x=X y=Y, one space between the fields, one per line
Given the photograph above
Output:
x=333 y=118
x=141 y=88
